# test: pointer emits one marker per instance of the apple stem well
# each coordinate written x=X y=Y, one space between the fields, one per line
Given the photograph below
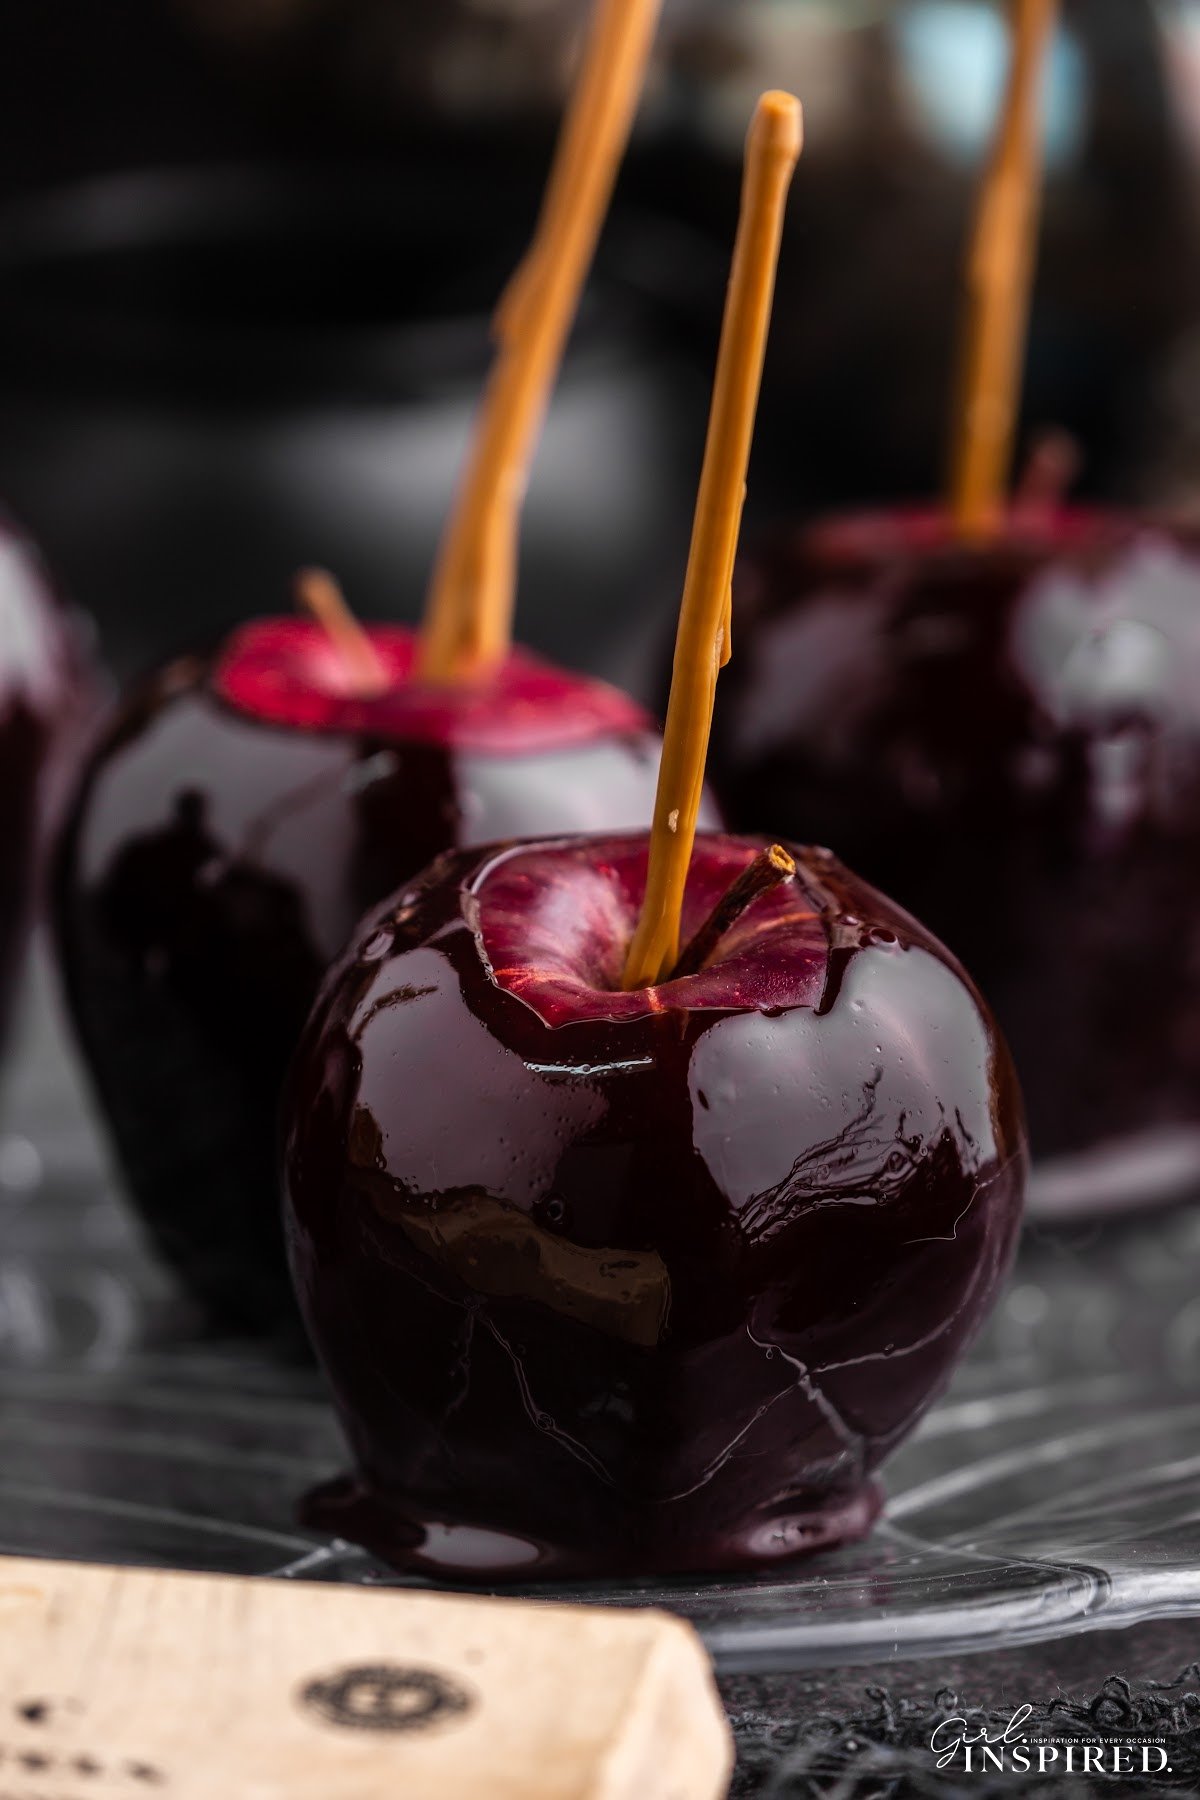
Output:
x=998 y=280
x=319 y=594
x=702 y=643
x=469 y=609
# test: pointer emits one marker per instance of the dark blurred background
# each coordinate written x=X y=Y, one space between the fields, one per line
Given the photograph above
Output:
x=248 y=247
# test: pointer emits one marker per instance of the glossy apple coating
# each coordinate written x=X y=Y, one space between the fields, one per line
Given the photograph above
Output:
x=614 y=1282
x=1007 y=738
x=238 y=819
x=42 y=703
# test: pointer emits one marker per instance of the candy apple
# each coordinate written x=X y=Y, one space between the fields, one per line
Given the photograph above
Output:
x=649 y=1280
x=993 y=708
x=243 y=812
x=237 y=819
x=1006 y=736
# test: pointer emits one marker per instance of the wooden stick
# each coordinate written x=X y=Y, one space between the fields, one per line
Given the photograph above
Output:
x=319 y=594
x=468 y=619
x=589 y=102
x=133 y=1683
x=772 y=148
x=999 y=280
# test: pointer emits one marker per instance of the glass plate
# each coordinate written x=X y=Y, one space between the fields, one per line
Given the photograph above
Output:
x=1054 y=1489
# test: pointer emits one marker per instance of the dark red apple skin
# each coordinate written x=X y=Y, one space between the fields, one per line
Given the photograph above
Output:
x=44 y=698
x=616 y=1283
x=214 y=864
x=1006 y=738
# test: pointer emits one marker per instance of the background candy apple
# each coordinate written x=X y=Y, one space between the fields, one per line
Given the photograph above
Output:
x=993 y=709
x=1006 y=736
x=237 y=820
x=243 y=814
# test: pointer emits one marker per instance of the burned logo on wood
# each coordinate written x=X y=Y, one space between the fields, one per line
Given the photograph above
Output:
x=386 y=1697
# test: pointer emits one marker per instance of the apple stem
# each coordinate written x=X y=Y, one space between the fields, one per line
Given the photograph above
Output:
x=319 y=594
x=702 y=641
x=469 y=609
x=999 y=280
x=764 y=872
x=1050 y=471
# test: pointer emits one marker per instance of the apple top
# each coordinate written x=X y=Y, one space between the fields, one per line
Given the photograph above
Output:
x=551 y=919
x=479 y=1020
x=287 y=671
x=874 y=539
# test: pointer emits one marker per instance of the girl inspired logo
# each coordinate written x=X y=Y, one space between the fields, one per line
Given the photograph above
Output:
x=988 y=1752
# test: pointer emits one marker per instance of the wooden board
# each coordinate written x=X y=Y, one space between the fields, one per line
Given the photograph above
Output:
x=123 y=1684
